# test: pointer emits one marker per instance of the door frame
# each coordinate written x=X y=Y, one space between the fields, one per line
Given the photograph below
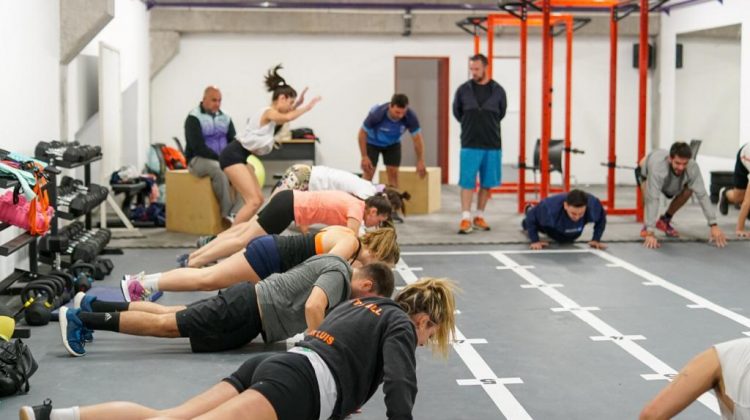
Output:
x=443 y=105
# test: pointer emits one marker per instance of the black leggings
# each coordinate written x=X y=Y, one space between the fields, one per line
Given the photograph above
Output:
x=278 y=214
x=287 y=380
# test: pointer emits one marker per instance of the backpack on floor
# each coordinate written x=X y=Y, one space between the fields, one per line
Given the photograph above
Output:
x=162 y=158
x=16 y=367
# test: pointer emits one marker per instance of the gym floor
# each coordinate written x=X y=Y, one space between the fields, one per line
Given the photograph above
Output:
x=565 y=333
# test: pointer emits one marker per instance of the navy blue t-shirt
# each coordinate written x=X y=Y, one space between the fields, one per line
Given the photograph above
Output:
x=382 y=131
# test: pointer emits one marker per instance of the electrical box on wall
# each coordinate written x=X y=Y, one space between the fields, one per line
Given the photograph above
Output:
x=651 y=56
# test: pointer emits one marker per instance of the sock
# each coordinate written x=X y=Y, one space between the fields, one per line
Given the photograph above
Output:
x=479 y=213
x=151 y=281
x=72 y=413
x=667 y=217
x=102 y=306
x=107 y=321
x=465 y=215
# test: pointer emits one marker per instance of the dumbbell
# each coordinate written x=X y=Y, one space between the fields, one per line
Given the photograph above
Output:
x=102 y=267
x=83 y=274
x=83 y=203
x=88 y=250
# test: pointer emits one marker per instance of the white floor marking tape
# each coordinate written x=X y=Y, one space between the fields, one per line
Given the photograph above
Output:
x=698 y=301
x=583 y=308
x=513 y=251
x=495 y=388
x=621 y=340
x=747 y=333
x=532 y=286
x=528 y=267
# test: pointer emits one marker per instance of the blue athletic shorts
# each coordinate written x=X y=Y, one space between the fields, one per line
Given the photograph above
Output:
x=485 y=162
x=263 y=255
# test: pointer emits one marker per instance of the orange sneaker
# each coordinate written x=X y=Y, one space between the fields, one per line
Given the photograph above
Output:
x=480 y=224
x=465 y=227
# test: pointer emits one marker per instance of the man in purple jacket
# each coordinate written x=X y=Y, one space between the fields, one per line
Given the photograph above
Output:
x=207 y=132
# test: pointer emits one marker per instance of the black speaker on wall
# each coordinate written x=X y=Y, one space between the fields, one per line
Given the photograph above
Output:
x=651 y=56
x=678 y=56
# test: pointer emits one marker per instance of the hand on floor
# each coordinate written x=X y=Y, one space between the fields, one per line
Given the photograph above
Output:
x=598 y=245
x=536 y=246
x=718 y=237
x=742 y=234
x=651 y=242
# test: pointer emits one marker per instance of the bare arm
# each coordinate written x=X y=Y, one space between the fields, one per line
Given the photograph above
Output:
x=700 y=375
x=365 y=163
x=283 y=118
x=419 y=151
x=315 y=308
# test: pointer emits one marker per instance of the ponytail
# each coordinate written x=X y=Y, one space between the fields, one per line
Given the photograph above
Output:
x=277 y=85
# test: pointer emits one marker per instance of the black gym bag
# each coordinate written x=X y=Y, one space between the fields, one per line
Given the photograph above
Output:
x=16 y=367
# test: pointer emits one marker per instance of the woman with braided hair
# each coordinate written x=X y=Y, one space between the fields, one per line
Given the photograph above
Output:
x=258 y=140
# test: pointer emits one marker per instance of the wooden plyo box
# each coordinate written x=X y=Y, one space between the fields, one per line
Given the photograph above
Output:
x=192 y=206
x=425 y=193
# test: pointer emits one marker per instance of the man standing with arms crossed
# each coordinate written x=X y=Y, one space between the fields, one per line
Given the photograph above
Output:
x=479 y=105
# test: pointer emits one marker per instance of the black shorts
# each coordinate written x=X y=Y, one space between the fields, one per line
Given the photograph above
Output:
x=391 y=154
x=233 y=154
x=639 y=178
x=226 y=321
x=278 y=214
x=287 y=380
x=740 y=173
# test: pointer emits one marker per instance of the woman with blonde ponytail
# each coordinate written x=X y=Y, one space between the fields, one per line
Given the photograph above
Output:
x=337 y=368
x=266 y=255
x=258 y=140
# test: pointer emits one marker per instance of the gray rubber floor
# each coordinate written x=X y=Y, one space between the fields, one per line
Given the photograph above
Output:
x=526 y=324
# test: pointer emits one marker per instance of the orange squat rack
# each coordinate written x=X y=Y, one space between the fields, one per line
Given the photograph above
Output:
x=518 y=11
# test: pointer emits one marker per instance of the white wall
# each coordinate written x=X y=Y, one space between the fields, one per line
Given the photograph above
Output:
x=30 y=47
x=694 y=18
x=354 y=72
x=127 y=33
x=707 y=95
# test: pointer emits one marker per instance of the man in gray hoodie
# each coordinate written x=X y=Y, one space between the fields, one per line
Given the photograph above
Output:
x=677 y=176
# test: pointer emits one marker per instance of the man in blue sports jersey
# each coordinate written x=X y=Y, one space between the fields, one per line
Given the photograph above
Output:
x=381 y=133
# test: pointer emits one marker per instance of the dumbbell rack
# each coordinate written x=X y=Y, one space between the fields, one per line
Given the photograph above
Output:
x=53 y=197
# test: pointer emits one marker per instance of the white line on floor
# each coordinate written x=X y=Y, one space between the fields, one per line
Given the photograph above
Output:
x=497 y=391
x=606 y=330
x=511 y=251
x=698 y=301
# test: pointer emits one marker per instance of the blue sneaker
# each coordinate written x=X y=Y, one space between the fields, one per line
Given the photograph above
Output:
x=72 y=331
x=182 y=260
x=83 y=302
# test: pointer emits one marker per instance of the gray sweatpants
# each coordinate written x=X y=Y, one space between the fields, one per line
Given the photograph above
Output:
x=200 y=167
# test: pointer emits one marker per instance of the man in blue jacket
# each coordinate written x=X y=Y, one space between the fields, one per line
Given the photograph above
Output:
x=381 y=133
x=479 y=105
x=563 y=216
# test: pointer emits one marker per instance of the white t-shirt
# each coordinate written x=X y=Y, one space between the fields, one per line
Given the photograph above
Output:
x=323 y=178
x=734 y=357
x=256 y=138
